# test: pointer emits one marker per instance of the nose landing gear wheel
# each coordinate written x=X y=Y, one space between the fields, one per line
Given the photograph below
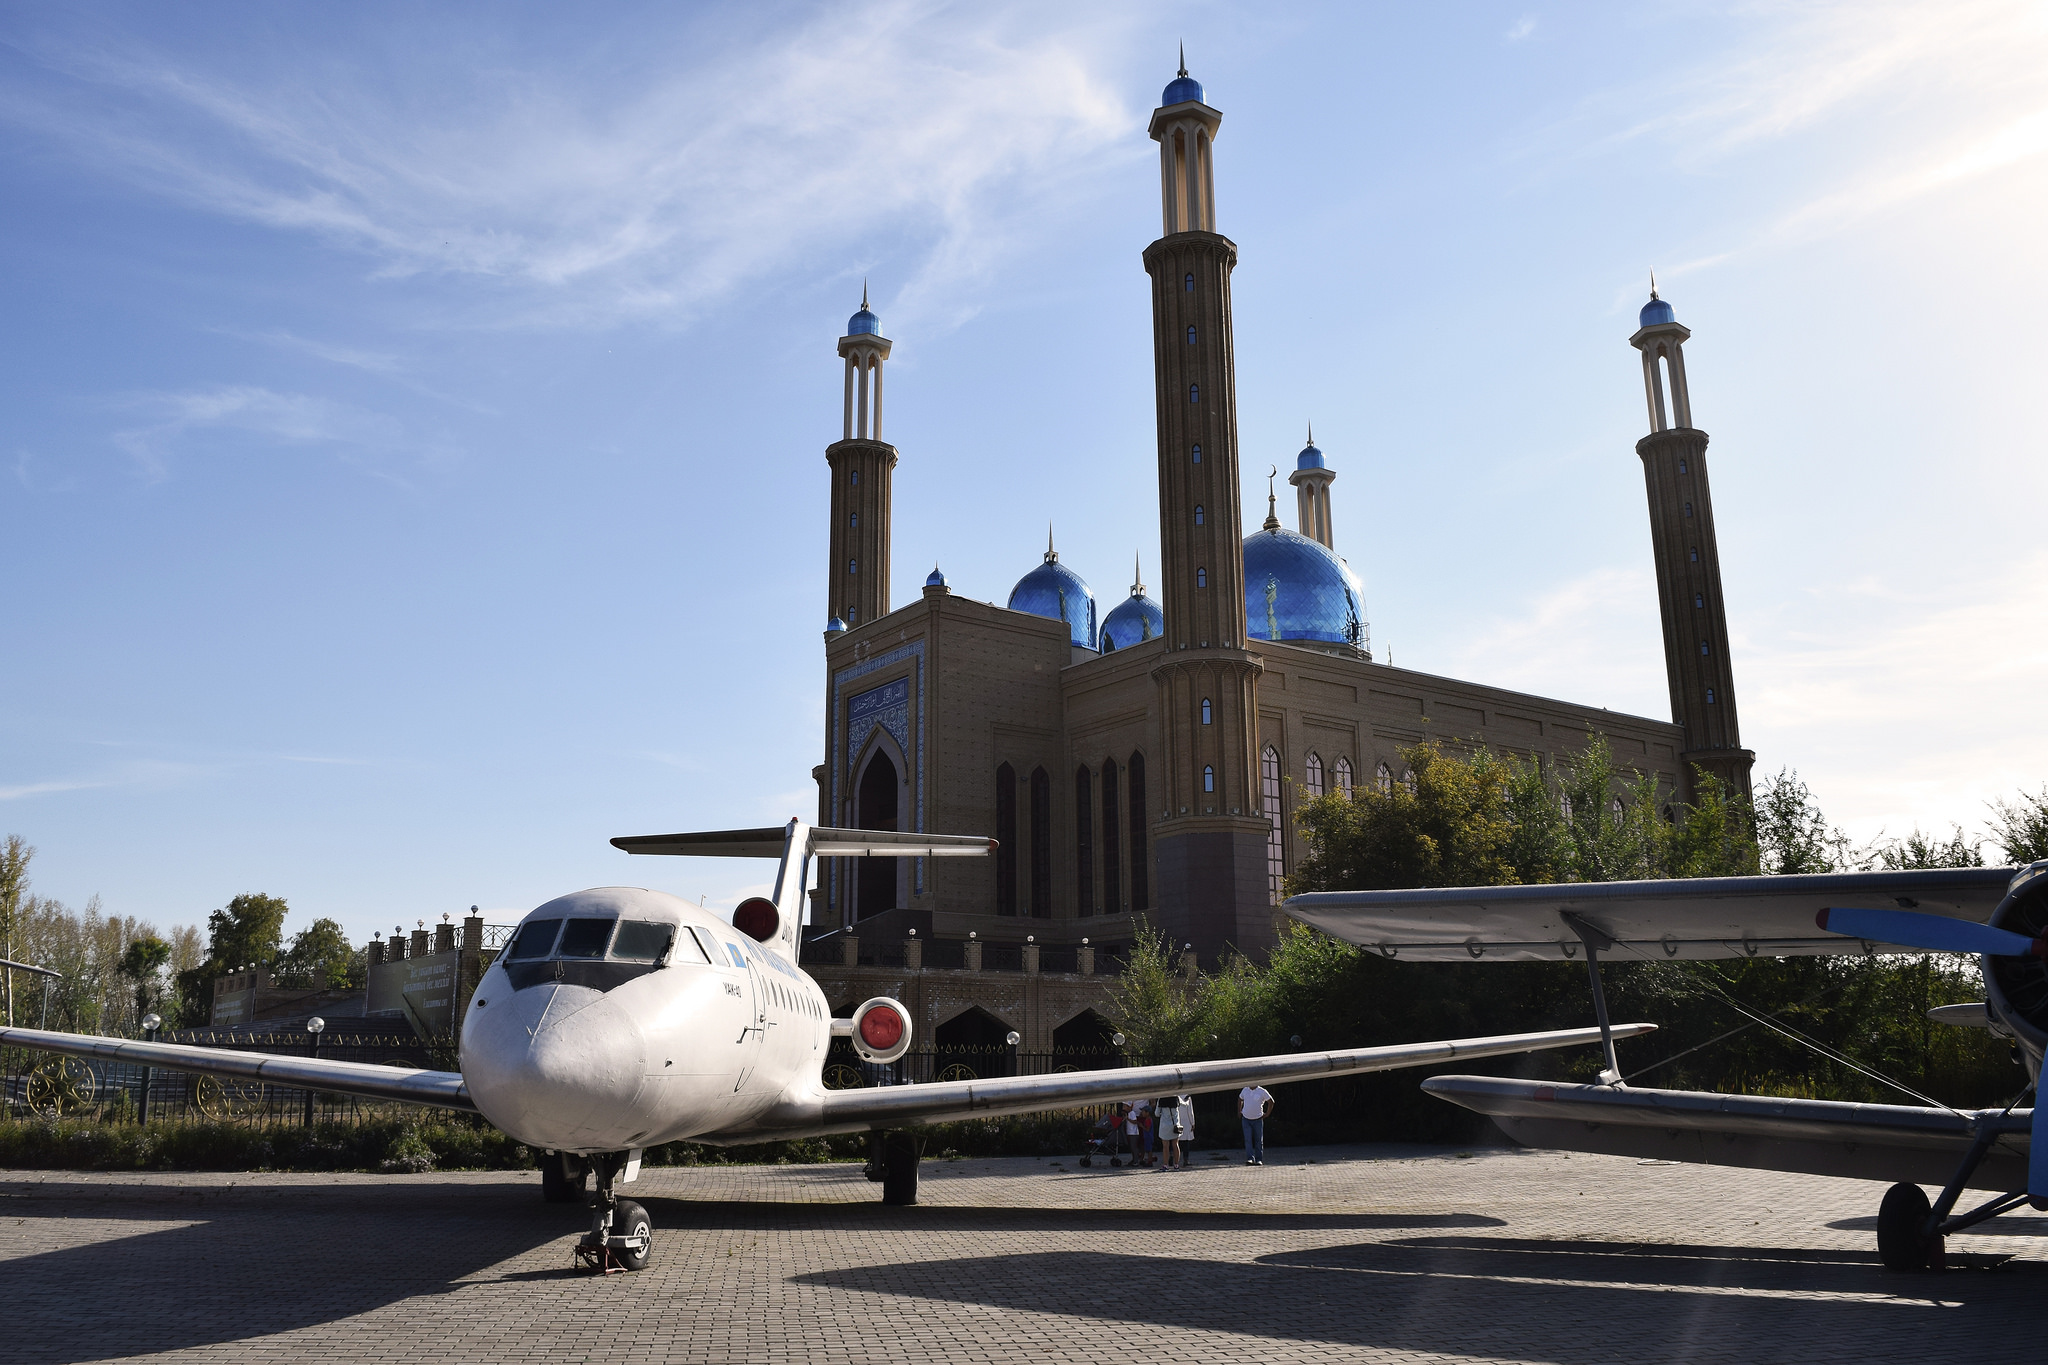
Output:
x=621 y=1234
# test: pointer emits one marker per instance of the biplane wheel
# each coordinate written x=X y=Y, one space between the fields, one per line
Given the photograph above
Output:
x=1902 y=1243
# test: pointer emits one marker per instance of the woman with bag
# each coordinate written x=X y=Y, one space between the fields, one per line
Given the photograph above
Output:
x=1176 y=1126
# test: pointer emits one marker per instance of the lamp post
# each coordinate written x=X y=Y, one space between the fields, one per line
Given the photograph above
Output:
x=315 y=1026
x=151 y=1022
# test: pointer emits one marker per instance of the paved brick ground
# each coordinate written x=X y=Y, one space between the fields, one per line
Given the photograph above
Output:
x=1351 y=1253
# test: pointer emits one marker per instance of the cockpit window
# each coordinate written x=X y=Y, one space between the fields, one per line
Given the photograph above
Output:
x=642 y=941
x=536 y=937
x=586 y=937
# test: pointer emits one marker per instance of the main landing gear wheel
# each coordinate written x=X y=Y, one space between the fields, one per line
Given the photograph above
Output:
x=563 y=1178
x=899 y=1167
x=1902 y=1240
x=632 y=1228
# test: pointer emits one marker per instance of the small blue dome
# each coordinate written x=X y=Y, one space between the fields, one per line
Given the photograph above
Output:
x=1132 y=621
x=1295 y=589
x=835 y=626
x=1052 y=589
x=1183 y=89
x=935 y=579
x=1656 y=311
x=864 y=324
x=1310 y=458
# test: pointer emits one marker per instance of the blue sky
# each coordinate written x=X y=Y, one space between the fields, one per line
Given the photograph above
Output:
x=411 y=419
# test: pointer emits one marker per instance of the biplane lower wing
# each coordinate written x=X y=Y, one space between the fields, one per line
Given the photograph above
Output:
x=1814 y=1137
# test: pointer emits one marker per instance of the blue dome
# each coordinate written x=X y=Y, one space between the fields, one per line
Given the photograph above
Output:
x=835 y=626
x=1183 y=89
x=864 y=324
x=1052 y=589
x=935 y=579
x=1656 y=311
x=1310 y=458
x=1294 y=589
x=1132 y=621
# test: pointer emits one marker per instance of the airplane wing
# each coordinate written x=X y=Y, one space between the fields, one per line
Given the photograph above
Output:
x=441 y=1089
x=851 y=1111
x=1887 y=1142
x=824 y=843
x=1697 y=917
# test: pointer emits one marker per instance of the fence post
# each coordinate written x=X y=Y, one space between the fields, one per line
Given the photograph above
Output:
x=1031 y=954
x=913 y=953
x=972 y=953
x=849 y=950
x=1084 y=959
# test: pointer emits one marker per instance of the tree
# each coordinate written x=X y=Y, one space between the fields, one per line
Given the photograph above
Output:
x=1792 y=835
x=246 y=934
x=143 y=964
x=321 y=958
x=14 y=860
x=2021 y=826
x=1919 y=850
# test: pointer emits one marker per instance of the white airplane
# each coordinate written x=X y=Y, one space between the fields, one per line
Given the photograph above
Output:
x=620 y=1018
x=1995 y=912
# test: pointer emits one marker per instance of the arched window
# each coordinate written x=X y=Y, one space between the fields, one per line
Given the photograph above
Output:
x=1084 y=841
x=1206 y=714
x=1688 y=509
x=1006 y=840
x=1189 y=284
x=1344 y=777
x=1269 y=796
x=1699 y=600
x=1315 y=774
x=1704 y=649
x=1614 y=809
x=1112 y=859
x=1200 y=518
x=855 y=476
x=852 y=614
x=853 y=519
x=1681 y=463
x=1408 y=780
x=853 y=566
x=1695 y=554
x=1710 y=696
x=1198 y=453
x=1383 y=775
x=1141 y=879
x=1191 y=336
x=1201 y=578
x=1208 y=779
x=1195 y=396
x=1041 y=844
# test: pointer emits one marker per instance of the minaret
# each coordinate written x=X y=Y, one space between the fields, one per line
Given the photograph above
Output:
x=1312 y=479
x=1211 y=838
x=1696 y=658
x=862 y=467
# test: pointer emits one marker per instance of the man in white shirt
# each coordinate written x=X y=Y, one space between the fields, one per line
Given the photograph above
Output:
x=1254 y=1102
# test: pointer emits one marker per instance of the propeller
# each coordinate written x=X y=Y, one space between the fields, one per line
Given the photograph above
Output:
x=1939 y=934
x=1935 y=933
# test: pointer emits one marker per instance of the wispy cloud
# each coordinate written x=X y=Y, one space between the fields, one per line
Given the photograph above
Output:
x=16 y=793
x=646 y=198
x=261 y=416
x=1521 y=29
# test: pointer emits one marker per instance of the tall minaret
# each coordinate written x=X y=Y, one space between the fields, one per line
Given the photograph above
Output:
x=1211 y=839
x=1312 y=479
x=862 y=465
x=1696 y=658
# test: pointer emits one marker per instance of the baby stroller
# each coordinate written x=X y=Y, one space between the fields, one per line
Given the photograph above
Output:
x=1105 y=1141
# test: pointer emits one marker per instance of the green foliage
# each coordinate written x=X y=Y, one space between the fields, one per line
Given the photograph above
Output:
x=321 y=958
x=143 y=963
x=247 y=933
x=1919 y=850
x=1791 y=833
x=2021 y=826
x=399 y=1143
x=14 y=859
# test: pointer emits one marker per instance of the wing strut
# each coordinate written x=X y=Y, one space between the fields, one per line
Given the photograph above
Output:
x=1595 y=940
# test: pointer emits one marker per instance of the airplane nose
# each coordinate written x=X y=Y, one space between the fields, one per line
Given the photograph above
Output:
x=559 y=1066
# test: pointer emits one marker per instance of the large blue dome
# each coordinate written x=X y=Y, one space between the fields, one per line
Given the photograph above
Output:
x=1052 y=589
x=1310 y=458
x=1132 y=621
x=1657 y=311
x=1294 y=589
x=1183 y=89
x=864 y=324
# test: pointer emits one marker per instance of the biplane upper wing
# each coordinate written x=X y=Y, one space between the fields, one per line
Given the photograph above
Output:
x=1687 y=918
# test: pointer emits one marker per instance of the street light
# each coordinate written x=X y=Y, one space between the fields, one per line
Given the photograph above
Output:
x=315 y=1026
x=151 y=1022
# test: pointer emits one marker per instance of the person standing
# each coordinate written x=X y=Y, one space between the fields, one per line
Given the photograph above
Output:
x=1176 y=1126
x=1254 y=1102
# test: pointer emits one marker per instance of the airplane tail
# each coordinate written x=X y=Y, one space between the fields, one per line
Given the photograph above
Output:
x=778 y=920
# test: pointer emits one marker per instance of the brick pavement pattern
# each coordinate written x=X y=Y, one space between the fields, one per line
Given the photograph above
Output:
x=1341 y=1253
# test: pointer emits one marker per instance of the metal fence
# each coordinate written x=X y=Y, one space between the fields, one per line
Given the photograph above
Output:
x=46 y=1085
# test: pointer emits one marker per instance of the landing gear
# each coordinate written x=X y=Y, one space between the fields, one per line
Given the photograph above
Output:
x=564 y=1177
x=898 y=1160
x=1903 y=1242
x=621 y=1233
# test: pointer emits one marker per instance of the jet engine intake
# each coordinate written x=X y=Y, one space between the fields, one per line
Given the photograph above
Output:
x=881 y=1030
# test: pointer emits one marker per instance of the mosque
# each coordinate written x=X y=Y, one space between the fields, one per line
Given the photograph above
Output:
x=1143 y=763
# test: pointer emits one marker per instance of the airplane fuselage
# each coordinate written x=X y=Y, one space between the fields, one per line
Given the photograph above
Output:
x=620 y=1018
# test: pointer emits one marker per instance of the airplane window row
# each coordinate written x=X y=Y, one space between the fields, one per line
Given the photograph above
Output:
x=636 y=941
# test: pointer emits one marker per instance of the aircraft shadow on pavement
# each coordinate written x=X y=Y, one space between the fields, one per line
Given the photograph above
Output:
x=2005 y=1225
x=253 y=1261
x=1575 y=1303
